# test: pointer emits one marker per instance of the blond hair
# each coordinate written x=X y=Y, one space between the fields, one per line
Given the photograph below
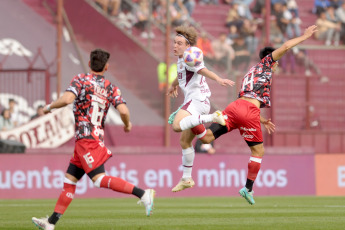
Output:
x=188 y=33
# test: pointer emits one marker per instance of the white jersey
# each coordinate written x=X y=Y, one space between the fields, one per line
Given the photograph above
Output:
x=193 y=85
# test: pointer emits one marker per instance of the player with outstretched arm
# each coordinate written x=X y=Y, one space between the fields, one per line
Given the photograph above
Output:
x=92 y=95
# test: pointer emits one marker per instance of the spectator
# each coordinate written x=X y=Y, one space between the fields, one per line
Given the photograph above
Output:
x=39 y=112
x=203 y=2
x=276 y=35
x=292 y=23
x=233 y=17
x=204 y=148
x=143 y=16
x=126 y=20
x=204 y=43
x=176 y=17
x=320 y=6
x=336 y=3
x=330 y=15
x=5 y=120
x=14 y=112
x=327 y=30
x=190 y=5
x=248 y=31
x=293 y=8
x=233 y=33
x=278 y=12
x=242 y=55
x=259 y=7
x=110 y=7
x=180 y=7
x=224 y=54
x=243 y=8
x=340 y=13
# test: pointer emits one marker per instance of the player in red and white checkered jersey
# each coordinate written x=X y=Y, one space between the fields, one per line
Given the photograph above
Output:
x=92 y=95
x=244 y=113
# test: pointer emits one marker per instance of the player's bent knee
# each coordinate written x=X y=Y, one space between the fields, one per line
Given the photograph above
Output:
x=176 y=127
x=97 y=183
x=208 y=138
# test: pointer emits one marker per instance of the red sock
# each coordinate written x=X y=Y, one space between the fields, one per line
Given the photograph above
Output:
x=199 y=131
x=254 y=165
x=117 y=184
x=65 y=198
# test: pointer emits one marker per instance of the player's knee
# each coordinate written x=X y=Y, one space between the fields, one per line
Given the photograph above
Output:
x=208 y=138
x=258 y=150
x=176 y=127
x=97 y=182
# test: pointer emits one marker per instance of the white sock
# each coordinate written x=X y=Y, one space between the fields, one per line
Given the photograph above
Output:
x=187 y=161
x=192 y=121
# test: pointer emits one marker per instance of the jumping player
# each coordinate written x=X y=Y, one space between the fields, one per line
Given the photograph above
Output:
x=244 y=113
x=196 y=100
x=92 y=95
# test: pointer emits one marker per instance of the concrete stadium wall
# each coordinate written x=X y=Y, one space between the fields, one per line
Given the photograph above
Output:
x=37 y=175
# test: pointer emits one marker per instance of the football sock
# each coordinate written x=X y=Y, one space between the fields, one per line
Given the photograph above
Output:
x=254 y=165
x=53 y=219
x=65 y=198
x=249 y=185
x=187 y=161
x=138 y=192
x=117 y=184
x=199 y=131
x=192 y=121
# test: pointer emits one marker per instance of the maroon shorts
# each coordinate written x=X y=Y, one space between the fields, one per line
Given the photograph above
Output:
x=245 y=116
x=89 y=154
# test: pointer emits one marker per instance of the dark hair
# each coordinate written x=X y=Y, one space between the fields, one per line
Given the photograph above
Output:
x=98 y=59
x=265 y=51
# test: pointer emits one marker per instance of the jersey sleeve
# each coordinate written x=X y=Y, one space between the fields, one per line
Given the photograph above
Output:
x=195 y=69
x=75 y=85
x=268 y=60
x=117 y=99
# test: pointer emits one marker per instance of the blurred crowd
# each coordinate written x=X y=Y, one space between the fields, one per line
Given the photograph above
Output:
x=11 y=117
x=237 y=46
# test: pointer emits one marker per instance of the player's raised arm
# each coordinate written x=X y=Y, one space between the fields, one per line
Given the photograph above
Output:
x=66 y=99
x=211 y=75
x=278 y=53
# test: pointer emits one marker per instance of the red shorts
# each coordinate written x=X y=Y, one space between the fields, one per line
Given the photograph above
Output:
x=89 y=154
x=245 y=116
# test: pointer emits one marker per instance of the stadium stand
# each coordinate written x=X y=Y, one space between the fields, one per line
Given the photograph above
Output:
x=291 y=105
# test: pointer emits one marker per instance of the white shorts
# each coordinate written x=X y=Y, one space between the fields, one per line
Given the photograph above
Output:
x=195 y=107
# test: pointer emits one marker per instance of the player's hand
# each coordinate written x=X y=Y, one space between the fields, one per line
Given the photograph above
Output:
x=127 y=128
x=173 y=91
x=269 y=126
x=310 y=30
x=225 y=82
x=47 y=109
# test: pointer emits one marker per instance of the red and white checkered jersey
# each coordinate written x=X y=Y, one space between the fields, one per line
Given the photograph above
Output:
x=94 y=94
x=257 y=82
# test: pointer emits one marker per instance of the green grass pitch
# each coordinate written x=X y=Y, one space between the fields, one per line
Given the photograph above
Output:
x=183 y=213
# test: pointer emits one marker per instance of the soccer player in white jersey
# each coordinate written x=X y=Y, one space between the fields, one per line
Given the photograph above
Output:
x=193 y=84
